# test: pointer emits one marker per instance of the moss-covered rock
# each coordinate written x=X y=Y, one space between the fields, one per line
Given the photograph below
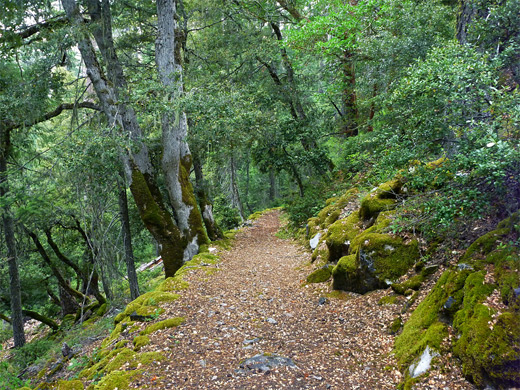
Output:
x=425 y=326
x=321 y=253
x=119 y=380
x=340 y=235
x=169 y=323
x=378 y=260
x=489 y=350
x=146 y=304
x=414 y=283
x=334 y=206
x=383 y=198
x=321 y=274
x=140 y=341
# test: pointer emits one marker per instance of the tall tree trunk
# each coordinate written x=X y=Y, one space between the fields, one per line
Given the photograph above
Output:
x=272 y=185
x=235 y=195
x=14 y=278
x=212 y=228
x=469 y=10
x=127 y=242
x=350 y=111
x=176 y=158
x=112 y=97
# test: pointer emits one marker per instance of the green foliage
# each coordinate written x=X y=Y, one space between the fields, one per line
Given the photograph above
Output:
x=9 y=377
x=300 y=209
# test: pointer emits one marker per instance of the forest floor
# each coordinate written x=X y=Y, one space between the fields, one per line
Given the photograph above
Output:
x=257 y=304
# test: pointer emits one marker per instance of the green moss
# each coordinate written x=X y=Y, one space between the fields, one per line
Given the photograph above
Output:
x=69 y=385
x=169 y=323
x=484 y=245
x=340 y=234
x=313 y=226
x=320 y=275
x=390 y=256
x=381 y=199
x=102 y=310
x=146 y=304
x=68 y=321
x=414 y=283
x=330 y=213
x=174 y=283
x=119 y=380
x=321 y=252
x=121 y=344
x=344 y=273
x=424 y=326
x=486 y=350
x=140 y=341
x=388 y=300
x=395 y=326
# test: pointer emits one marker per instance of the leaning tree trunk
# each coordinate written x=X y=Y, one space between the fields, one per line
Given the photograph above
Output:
x=212 y=228
x=112 y=95
x=14 y=278
x=176 y=158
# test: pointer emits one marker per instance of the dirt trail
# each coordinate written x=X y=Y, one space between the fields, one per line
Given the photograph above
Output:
x=255 y=304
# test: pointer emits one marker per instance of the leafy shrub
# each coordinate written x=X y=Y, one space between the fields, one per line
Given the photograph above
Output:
x=31 y=352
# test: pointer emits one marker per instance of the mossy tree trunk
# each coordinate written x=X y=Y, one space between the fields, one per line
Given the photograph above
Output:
x=176 y=158
x=178 y=239
x=7 y=220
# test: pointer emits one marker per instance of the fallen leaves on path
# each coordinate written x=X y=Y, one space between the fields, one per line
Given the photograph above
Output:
x=255 y=304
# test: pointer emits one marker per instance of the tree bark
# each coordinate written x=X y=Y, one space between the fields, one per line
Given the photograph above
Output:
x=44 y=320
x=176 y=158
x=235 y=195
x=212 y=228
x=61 y=280
x=14 y=278
x=111 y=94
x=272 y=185
x=127 y=242
x=350 y=111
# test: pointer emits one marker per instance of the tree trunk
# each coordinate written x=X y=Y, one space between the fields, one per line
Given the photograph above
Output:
x=61 y=280
x=14 y=278
x=235 y=195
x=67 y=302
x=145 y=191
x=44 y=320
x=212 y=228
x=272 y=185
x=127 y=242
x=64 y=259
x=176 y=159
x=468 y=11
x=350 y=111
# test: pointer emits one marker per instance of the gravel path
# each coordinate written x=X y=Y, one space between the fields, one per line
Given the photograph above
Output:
x=256 y=304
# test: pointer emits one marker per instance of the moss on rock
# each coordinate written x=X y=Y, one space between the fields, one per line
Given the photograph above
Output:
x=169 y=323
x=383 y=198
x=174 y=283
x=425 y=326
x=340 y=235
x=489 y=350
x=140 y=341
x=119 y=380
x=334 y=206
x=320 y=275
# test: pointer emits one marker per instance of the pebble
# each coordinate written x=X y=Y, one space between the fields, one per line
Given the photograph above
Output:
x=272 y=321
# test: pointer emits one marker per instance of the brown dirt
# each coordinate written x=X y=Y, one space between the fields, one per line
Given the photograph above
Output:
x=342 y=344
